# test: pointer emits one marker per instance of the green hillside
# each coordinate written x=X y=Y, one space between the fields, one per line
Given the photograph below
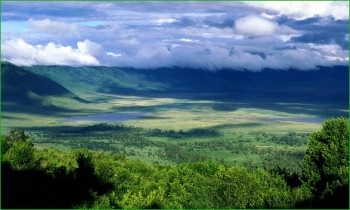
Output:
x=23 y=88
x=239 y=117
x=91 y=79
x=267 y=89
x=322 y=85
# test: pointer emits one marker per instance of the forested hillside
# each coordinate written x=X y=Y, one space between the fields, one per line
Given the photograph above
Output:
x=326 y=83
x=27 y=92
x=50 y=178
x=327 y=86
x=20 y=85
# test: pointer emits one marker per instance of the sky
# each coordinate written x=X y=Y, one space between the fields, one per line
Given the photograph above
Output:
x=202 y=35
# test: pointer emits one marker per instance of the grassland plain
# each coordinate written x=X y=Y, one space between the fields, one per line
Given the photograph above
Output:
x=235 y=133
x=177 y=125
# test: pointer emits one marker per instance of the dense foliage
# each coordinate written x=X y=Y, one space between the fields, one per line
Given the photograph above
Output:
x=326 y=162
x=50 y=178
x=258 y=149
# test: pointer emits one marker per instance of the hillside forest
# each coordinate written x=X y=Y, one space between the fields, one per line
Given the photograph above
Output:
x=50 y=178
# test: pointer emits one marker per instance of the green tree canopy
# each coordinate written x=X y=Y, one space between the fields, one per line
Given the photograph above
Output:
x=13 y=137
x=326 y=163
x=21 y=155
x=17 y=135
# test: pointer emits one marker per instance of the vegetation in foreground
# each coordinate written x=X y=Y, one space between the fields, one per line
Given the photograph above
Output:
x=50 y=178
x=252 y=150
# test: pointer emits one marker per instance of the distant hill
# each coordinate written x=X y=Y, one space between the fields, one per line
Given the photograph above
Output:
x=27 y=88
x=100 y=79
x=324 y=84
x=332 y=80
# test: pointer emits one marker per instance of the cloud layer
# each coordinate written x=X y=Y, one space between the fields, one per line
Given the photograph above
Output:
x=21 y=53
x=255 y=26
x=204 y=35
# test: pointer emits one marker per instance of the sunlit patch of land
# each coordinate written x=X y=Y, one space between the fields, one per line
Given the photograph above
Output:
x=168 y=113
x=174 y=129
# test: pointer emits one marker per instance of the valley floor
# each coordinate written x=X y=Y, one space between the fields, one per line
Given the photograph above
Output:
x=174 y=130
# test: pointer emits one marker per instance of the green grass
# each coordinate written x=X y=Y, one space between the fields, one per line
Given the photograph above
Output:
x=165 y=113
x=230 y=121
x=252 y=130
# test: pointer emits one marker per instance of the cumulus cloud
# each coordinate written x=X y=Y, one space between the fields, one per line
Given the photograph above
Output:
x=113 y=54
x=48 y=25
x=238 y=56
x=20 y=52
x=220 y=35
x=304 y=10
x=188 y=40
x=255 y=26
x=331 y=52
x=88 y=47
x=162 y=21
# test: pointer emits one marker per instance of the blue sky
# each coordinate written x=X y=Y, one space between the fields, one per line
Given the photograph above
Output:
x=204 y=35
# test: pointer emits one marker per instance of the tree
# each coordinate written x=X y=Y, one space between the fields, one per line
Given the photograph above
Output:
x=325 y=165
x=5 y=144
x=21 y=155
x=13 y=137
x=17 y=135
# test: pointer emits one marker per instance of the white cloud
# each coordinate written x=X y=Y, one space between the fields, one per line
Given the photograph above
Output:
x=208 y=55
x=189 y=40
x=197 y=35
x=19 y=52
x=303 y=10
x=255 y=26
x=331 y=52
x=267 y=16
x=113 y=54
x=205 y=32
x=90 y=48
x=162 y=21
x=216 y=56
x=52 y=26
x=285 y=38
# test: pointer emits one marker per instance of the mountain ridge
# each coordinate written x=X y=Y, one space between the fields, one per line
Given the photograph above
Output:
x=322 y=83
x=24 y=87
